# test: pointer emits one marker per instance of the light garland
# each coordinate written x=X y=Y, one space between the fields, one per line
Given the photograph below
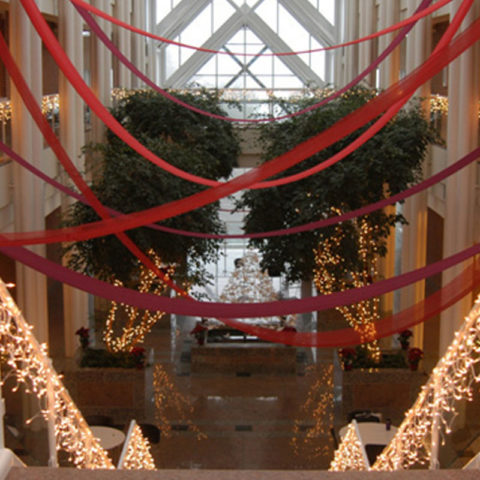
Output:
x=137 y=324
x=31 y=366
x=362 y=315
x=319 y=406
x=166 y=397
x=137 y=454
x=50 y=104
x=349 y=455
x=249 y=284
x=451 y=380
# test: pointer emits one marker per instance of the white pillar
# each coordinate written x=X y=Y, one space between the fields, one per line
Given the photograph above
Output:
x=72 y=136
x=122 y=12
x=389 y=68
x=350 y=69
x=27 y=141
x=460 y=188
x=415 y=208
x=365 y=49
x=151 y=60
x=139 y=41
x=101 y=69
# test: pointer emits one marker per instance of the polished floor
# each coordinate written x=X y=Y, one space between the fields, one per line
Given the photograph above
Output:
x=237 y=420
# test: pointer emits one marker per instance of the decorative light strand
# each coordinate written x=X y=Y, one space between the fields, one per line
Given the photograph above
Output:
x=362 y=315
x=137 y=324
x=167 y=398
x=31 y=366
x=319 y=407
x=349 y=455
x=137 y=451
x=451 y=380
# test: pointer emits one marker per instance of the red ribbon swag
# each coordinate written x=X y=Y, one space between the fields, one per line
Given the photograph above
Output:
x=392 y=99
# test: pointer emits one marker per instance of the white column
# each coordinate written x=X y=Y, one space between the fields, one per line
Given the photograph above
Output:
x=72 y=136
x=151 y=60
x=27 y=141
x=460 y=188
x=365 y=49
x=101 y=68
x=389 y=68
x=122 y=12
x=351 y=52
x=138 y=41
x=415 y=208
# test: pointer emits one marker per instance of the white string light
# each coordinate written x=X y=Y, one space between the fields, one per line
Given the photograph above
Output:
x=31 y=366
x=137 y=451
x=434 y=410
x=349 y=455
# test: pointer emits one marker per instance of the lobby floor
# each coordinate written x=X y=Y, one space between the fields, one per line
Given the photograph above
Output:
x=236 y=420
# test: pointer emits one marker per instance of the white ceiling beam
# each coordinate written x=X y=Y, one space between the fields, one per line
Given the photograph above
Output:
x=180 y=77
x=312 y=20
x=277 y=45
x=180 y=17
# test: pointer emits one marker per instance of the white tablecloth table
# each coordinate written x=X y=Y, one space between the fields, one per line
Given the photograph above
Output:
x=108 y=437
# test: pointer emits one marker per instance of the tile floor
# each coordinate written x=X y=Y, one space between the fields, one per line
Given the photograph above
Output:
x=225 y=421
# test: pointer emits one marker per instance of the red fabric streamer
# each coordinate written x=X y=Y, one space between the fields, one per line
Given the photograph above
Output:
x=345 y=126
x=77 y=81
x=189 y=306
x=433 y=180
x=85 y=6
x=64 y=159
x=116 y=52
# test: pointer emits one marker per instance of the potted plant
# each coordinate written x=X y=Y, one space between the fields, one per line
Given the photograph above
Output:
x=404 y=338
x=347 y=356
x=414 y=356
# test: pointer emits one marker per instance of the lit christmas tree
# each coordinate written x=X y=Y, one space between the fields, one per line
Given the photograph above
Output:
x=122 y=336
x=331 y=275
x=249 y=284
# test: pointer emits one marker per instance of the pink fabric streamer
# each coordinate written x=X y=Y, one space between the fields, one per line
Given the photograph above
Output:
x=433 y=180
x=122 y=58
x=189 y=306
x=369 y=111
x=86 y=6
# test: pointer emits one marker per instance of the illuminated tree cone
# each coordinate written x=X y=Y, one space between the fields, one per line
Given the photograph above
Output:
x=331 y=275
x=123 y=338
x=248 y=283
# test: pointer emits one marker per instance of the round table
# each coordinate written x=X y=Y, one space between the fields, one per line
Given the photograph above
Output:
x=108 y=437
x=372 y=433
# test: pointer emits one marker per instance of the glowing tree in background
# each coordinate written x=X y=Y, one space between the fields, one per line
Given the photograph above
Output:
x=137 y=324
x=248 y=283
x=333 y=274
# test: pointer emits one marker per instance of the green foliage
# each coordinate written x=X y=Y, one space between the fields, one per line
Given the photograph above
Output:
x=128 y=183
x=99 y=358
x=387 y=164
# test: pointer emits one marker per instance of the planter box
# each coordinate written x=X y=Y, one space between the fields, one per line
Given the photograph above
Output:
x=118 y=393
x=389 y=391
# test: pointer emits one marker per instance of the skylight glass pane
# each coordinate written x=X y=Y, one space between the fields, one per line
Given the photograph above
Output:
x=289 y=81
x=327 y=9
x=172 y=55
x=267 y=11
x=291 y=31
x=210 y=68
x=280 y=68
x=197 y=32
x=262 y=65
x=227 y=65
x=222 y=10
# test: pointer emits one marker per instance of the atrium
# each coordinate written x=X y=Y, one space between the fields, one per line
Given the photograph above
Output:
x=241 y=361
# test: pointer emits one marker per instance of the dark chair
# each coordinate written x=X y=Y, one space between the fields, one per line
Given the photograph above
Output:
x=363 y=416
x=334 y=437
x=100 y=420
x=150 y=432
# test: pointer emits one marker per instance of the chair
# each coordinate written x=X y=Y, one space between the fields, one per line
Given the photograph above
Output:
x=150 y=432
x=100 y=420
x=364 y=416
